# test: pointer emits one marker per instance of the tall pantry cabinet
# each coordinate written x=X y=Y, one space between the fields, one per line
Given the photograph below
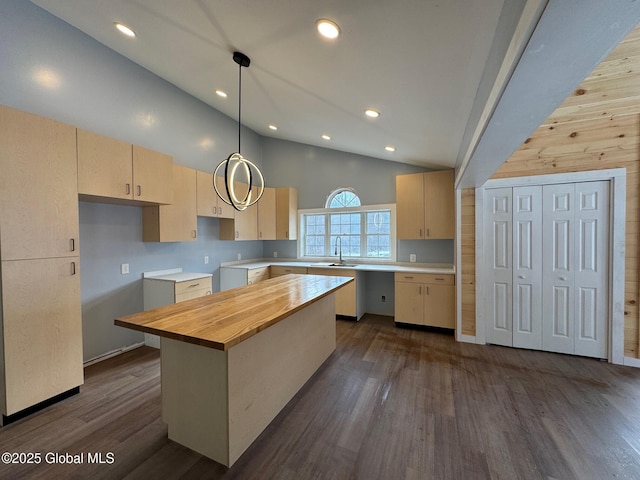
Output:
x=40 y=316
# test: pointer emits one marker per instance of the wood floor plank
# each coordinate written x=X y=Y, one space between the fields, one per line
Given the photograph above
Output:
x=389 y=403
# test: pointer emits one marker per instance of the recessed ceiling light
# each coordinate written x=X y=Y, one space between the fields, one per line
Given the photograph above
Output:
x=273 y=127
x=326 y=137
x=221 y=93
x=327 y=28
x=390 y=148
x=370 y=112
x=124 y=29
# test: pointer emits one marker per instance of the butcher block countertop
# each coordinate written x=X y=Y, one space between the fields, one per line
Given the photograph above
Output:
x=224 y=319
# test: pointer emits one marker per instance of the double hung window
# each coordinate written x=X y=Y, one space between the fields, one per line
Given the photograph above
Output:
x=346 y=226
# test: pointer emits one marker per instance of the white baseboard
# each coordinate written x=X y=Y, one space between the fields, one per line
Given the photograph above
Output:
x=111 y=354
x=466 y=338
x=631 y=362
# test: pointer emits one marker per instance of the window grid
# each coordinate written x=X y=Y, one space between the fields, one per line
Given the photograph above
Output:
x=322 y=241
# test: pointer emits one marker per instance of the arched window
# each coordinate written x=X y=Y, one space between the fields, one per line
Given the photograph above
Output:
x=346 y=228
x=343 y=197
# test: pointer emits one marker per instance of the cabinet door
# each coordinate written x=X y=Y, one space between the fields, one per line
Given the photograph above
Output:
x=409 y=303
x=43 y=339
x=439 y=309
x=104 y=166
x=346 y=296
x=206 y=198
x=410 y=206
x=177 y=222
x=286 y=213
x=267 y=215
x=246 y=223
x=439 y=205
x=38 y=187
x=152 y=176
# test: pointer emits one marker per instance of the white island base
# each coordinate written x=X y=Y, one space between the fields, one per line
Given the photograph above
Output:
x=217 y=402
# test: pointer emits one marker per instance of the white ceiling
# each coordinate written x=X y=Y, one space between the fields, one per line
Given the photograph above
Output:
x=419 y=62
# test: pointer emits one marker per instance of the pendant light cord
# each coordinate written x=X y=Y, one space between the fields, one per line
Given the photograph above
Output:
x=239 y=104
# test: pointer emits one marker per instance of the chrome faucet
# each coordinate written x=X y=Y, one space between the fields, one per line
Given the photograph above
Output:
x=339 y=240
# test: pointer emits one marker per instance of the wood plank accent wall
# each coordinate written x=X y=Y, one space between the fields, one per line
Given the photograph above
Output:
x=597 y=127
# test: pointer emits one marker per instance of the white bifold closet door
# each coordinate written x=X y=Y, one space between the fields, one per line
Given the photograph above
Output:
x=575 y=272
x=547 y=267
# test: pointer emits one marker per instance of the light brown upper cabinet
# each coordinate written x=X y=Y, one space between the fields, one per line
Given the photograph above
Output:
x=425 y=205
x=286 y=213
x=177 y=222
x=243 y=227
x=111 y=169
x=38 y=187
x=209 y=204
x=267 y=215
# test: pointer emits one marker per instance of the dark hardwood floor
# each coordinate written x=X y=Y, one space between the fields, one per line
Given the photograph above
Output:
x=390 y=403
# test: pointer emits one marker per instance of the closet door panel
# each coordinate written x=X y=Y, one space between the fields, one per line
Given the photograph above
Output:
x=499 y=302
x=592 y=266
x=557 y=271
x=527 y=267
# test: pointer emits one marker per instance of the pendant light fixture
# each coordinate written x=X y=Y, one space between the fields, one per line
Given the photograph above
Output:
x=238 y=170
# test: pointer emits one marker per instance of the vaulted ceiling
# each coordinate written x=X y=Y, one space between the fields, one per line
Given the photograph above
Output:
x=436 y=70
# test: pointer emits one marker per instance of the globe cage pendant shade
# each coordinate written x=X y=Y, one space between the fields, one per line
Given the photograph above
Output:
x=239 y=172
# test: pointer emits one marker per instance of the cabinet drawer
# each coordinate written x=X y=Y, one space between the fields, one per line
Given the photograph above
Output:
x=193 y=285
x=446 y=279
x=192 y=294
x=336 y=272
x=277 y=270
x=255 y=275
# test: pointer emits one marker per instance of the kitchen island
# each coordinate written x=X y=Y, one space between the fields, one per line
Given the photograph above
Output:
x=232 y=360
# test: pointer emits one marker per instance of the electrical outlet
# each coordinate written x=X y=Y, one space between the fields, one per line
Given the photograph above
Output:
x=206 y=259
x=275 y=254
x=412 y=257
x=239 y=256
x=124 y=268
x=384 y=298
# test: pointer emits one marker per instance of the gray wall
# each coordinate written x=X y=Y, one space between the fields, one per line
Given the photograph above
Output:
x=97 y=89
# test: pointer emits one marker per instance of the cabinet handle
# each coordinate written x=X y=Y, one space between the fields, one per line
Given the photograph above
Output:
x=194 y=233
x=439 y=279
x=420 y=232
x=215 y=210
x=420 y=290
x=408 y=277
x=193 y=285
x=73 y=244
x=139 y=190
x=286 y=234
x=260 y=235
x=427 y=232
x=563 y=278
x=219 y=210
x=427 y=289
x=73 y=268
x=128 y=185
x=237 y=234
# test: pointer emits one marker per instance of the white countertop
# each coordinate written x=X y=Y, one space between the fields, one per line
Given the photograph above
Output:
x=178 y=277
x=438 y=268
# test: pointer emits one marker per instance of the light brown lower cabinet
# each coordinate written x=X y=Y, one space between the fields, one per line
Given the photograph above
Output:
x=346 y=297
x=41 y=340
x=425 y=299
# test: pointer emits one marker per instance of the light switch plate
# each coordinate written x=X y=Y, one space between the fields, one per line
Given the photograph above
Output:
x=124 y=268
x=206 y=259
x=412 y=257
